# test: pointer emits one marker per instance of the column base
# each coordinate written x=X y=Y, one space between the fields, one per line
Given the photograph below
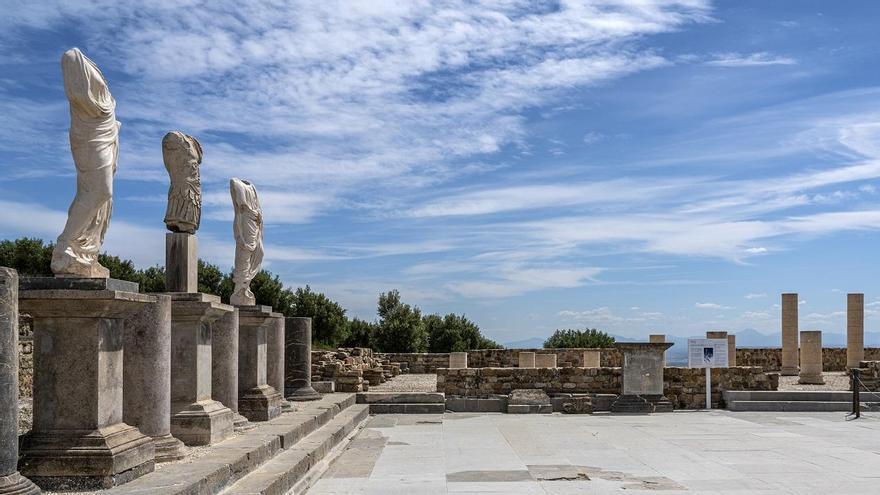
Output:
x=168 y=448
x=811 y=380
x=16 y=484
x=62 y=460
x=241 y=423
x=202 y=423
x=260 y=403
x=304 y=394
x=788 y=371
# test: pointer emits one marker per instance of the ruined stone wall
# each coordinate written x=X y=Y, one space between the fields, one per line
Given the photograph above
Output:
x=25 y=356
x=419 y=362
x=685 y=387
x=770 y=359
x=497 y=358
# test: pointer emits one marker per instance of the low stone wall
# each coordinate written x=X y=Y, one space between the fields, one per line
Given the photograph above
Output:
x=770 y=358
x=497 y=358
x=685 y=387
x=418 y=362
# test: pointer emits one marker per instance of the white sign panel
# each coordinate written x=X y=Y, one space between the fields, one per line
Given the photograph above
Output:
x=707 y=353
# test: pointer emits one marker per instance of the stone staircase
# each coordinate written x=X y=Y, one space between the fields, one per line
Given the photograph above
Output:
x=792 y=401
x=403 y=402
x=269 y=459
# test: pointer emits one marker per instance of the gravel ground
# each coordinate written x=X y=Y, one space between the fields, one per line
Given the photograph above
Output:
x=408 y=383
x=834 y=380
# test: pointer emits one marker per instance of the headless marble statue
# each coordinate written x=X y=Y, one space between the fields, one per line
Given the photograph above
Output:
x=183 y=155
x=248 y=230
x=94 y=143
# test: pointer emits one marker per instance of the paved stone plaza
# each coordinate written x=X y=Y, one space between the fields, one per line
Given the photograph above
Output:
x=683 y=452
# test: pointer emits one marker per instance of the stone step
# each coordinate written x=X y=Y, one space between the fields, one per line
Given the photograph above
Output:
x=289 y=471
x=417 y=408
x=231 y=460
x=788 y=395
x=401 y=398
x=789 y=406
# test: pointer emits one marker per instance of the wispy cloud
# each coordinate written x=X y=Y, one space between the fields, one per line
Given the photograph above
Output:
x=710 y=305
x=757 y=59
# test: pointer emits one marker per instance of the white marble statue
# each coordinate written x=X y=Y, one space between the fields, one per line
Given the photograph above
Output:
x=248 y=230
x=94 y=143
x=183 y=155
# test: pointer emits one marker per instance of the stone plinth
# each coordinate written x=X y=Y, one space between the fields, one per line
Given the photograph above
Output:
x=731 y=350
x=224 y=366
x=811 y=358
x=181 y=262
x=257 y=400
x=275 y=359
x=855 y=330
x=458 y=360
x=789 y=335
x=78 y=437
x=11 y=482
x=592 y=359
x=146 y=390
x=642 y=378
x=658 y=339
x=196 y=418
x=298 y=360
x=526 y=359
x=545 y=360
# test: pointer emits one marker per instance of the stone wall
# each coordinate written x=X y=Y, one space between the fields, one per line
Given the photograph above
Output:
x=770 y=359
x=685 y=387
x=25 y=356
x=497 y=358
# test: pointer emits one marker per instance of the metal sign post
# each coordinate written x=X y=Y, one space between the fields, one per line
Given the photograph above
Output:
x=708 y=354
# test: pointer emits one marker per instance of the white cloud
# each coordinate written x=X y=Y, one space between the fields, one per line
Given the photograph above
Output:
x=710 y=305
x=755 y=295
x=734 y=59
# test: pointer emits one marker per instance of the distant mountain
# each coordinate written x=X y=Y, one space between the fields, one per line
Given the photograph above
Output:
x=532 y=343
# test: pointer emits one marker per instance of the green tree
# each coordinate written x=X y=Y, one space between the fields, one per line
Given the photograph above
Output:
x=400 y=326
x=27 y=256
x=270 y=291
x=454 y=333
x=328 y=317
x=213 y=281
x=579 y=338
x=360 y=333
x=153 y=279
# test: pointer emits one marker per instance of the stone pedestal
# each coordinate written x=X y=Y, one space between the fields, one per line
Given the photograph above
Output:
x=642 y=378
x=298 y=360
x=526 y=359
x=811 y=358
x=731 y=350
x=275 y=359
x=458 y=360
x=196 y=418
x=789 y=335
x=592 y=359
x=658 y=339
x=181 y=262
x=10 y=481
x=545 y=360
x=224 y=366
x=78 y=437
x=855 y=330
x=257 y=400
x=146 y=390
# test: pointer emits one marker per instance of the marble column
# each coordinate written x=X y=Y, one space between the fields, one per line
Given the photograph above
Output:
x=592 y=359
x=526 y=359
x=811 y=358
x=257 y=400
x=78 y=434
x=196 y=418
x=789 y=335
x=458 y=360
x=658 y=339
x=275 y=359
x=731 y=350
x=146 y=390
x=224 y=366
x=11 y=482
x=855 y=330
x=642 y=378
x=545 y=360
x=298 y=360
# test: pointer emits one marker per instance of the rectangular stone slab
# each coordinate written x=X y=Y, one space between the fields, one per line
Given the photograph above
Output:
x=68 y=283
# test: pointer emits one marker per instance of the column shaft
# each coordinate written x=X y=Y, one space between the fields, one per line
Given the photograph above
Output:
x=855 y=329
x=789 y=334
x=298 y=360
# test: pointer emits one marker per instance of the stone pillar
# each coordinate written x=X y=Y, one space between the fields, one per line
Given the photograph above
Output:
x=181 y=262
x=642 y=378
x=658 y=339
x=11 y=482
x=275 y=359
x=731 y=350
x=458 y=360
x=811 y=358
x=526 y=359
x=789 y=335
x=545 y=360
x=257 y=400
x=78 y=436
x=146 y=389
x=196 y=418
x=592 y=359
x=224 y=366
x=298 y=360
x=855 y=330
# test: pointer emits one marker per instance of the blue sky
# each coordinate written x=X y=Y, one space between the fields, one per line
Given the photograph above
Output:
x=641 y=167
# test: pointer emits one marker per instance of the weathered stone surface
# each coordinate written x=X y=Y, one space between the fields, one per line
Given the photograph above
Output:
x=458 y=360
x=298 y=360
x=592 y=359
x=578 y=405
x=181 y=262
x=731 y=350
x=532 y=397
x=11 y=482
x=496 y=358
x=526 y=359
x=855 y=330
x=789 y=335
x=545 y=360
x=811 y=358
x=257 y=401
x=69 y=283
x=324 y=387
x=275 y=358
